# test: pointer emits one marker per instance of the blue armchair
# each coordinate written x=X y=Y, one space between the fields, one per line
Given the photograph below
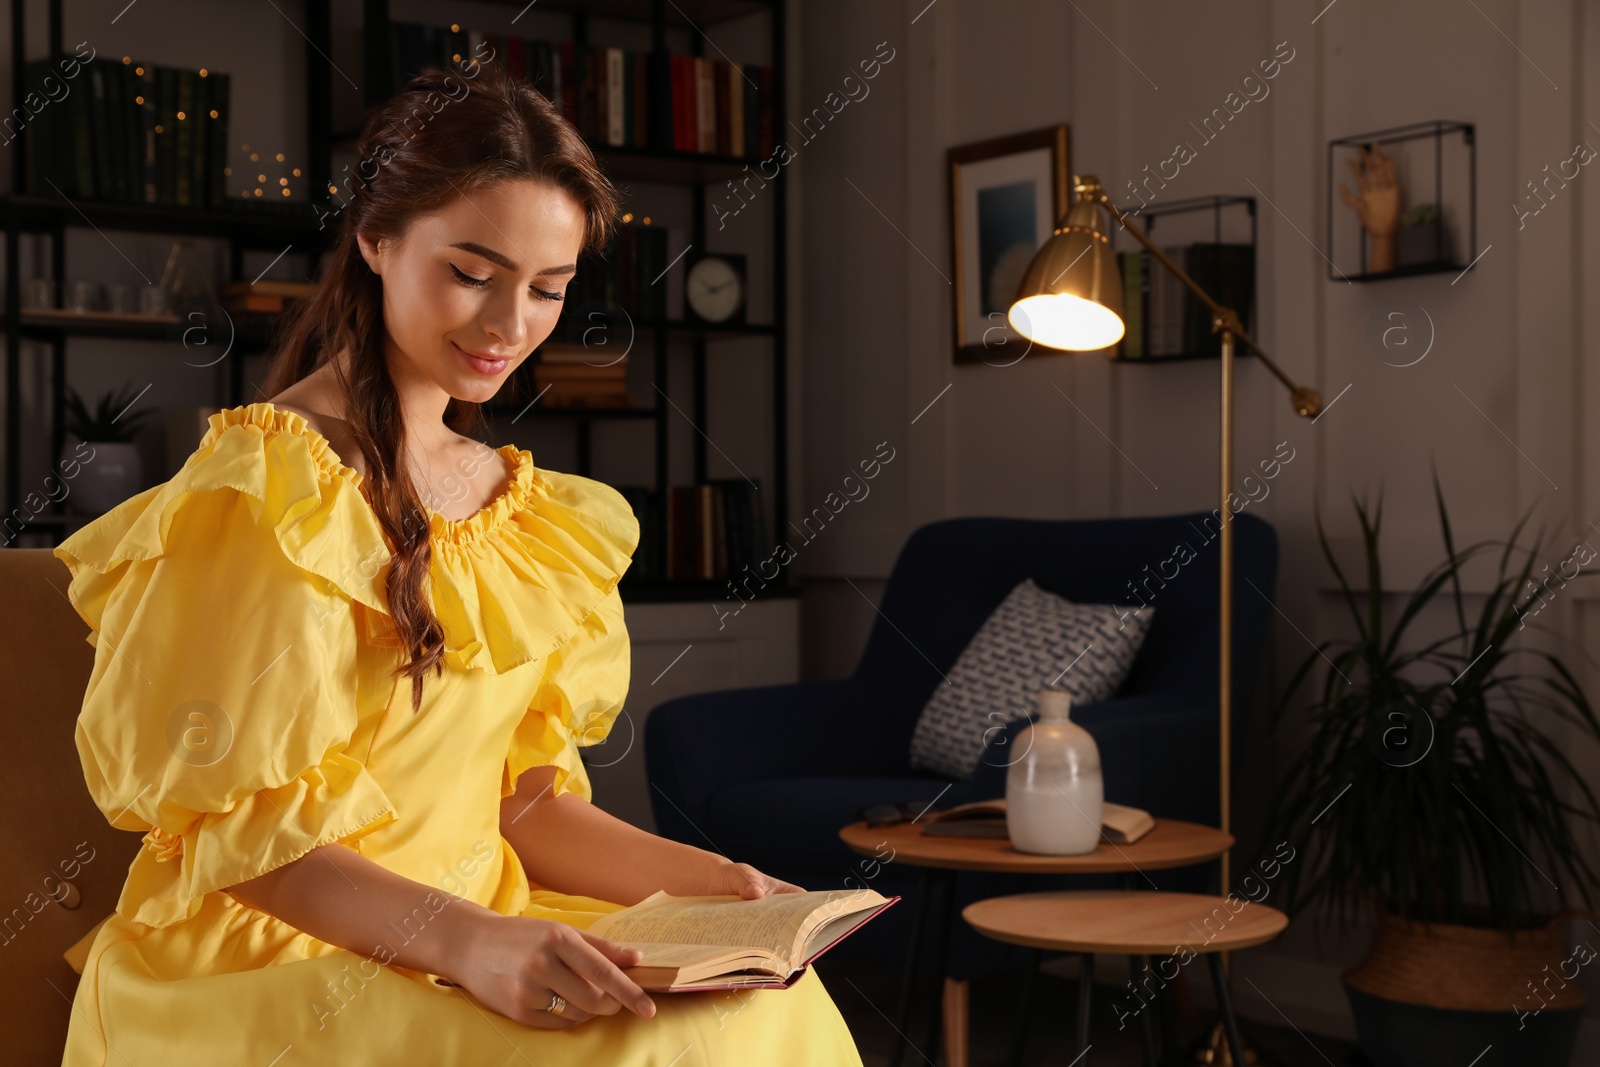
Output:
x=769 y=775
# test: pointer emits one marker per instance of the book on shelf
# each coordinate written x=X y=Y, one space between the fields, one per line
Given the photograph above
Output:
x=129 y=133
x=1228 y=273
x=714 y=529
x=566 y=375
x=617 y=97
x=696 y=943
x=266 y=296
x=1135 y=291
x=646 y=565
x=1163 y=317
x=1119 y=824
x=635 y=281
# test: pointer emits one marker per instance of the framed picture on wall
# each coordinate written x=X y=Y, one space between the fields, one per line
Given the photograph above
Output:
x=1006 y=195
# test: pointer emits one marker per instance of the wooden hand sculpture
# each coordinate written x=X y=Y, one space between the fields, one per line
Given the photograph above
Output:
x=1378 y=206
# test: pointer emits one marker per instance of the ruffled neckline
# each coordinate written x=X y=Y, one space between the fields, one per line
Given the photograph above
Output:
x=509 y=583
x=516 y=494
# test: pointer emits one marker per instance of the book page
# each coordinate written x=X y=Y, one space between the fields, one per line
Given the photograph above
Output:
x=656 y=954
x=772 y=923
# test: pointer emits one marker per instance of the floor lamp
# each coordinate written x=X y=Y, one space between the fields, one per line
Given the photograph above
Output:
x=1071 y=298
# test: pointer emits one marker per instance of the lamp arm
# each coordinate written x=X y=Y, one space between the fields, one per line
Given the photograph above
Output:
x=1307 y=401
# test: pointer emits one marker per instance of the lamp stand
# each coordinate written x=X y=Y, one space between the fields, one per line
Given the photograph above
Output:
x=1307 y=402
x=1216 y=1051
x=1079 y=308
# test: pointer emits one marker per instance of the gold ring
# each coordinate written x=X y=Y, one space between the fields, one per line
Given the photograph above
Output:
x=558 y=1004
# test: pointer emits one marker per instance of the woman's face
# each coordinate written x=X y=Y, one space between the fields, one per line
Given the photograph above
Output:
x=482 y=277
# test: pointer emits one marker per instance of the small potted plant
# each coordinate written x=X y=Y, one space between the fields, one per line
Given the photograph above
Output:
x=1437 y=795
x=111 y=470
x=1423 y=238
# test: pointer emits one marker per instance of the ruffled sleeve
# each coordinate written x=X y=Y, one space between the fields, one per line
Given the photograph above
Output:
x=583 y=681
x=223 y=606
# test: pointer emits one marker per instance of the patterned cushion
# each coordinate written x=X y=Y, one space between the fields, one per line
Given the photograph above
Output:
x=1034 y=640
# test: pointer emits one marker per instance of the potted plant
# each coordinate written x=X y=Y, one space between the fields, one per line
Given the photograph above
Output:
x=1423 y=237
x=1436 y=795
x=110 y=471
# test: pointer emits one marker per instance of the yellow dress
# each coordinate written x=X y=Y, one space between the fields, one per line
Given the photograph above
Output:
x=241 y=712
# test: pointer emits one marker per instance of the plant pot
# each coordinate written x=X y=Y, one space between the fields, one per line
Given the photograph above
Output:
x=1440 y=993
x=1424 y=244
x=112 y=473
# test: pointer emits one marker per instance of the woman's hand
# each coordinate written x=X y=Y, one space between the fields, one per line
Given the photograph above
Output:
x=513 y=964
x=745 y=881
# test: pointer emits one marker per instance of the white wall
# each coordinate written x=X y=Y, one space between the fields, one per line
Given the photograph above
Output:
x=1129 y=77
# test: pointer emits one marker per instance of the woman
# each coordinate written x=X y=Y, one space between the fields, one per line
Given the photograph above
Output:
x=345 y=656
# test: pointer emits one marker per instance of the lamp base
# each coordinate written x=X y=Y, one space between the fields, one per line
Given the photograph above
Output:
x=1213 y=1050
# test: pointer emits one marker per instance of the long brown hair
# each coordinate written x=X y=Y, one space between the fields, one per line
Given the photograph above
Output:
x=446 y=134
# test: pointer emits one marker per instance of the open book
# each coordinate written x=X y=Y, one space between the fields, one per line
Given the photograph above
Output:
x=726 y=942
x=987 y=818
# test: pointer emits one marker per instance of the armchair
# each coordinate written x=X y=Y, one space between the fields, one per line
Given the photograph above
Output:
x=769 y=775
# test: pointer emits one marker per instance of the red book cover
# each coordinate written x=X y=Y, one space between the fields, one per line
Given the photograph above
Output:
x=708 y=533
x=516 y=65
x=688 y=114
x=719 y=526
x=724 y=108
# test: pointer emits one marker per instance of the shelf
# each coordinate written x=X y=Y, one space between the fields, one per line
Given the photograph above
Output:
x=251 y=332
x=693 y=13
x=707 y=331
x=1436 y=183
x=710 y=589
x=51 y=322
x=669 y=168
x=245 y=225
x=623 y=163
x=1409 y=270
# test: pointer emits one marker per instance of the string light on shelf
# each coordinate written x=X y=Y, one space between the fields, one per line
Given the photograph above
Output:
x=265 y=184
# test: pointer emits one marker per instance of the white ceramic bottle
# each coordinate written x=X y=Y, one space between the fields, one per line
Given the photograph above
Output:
x=1054 y=792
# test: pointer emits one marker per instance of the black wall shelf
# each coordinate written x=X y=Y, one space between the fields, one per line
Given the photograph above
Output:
x=1437 y=159
x=1148 y=216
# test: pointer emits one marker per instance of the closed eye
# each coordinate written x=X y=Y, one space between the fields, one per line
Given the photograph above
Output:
x=479 y=283
x=467 y=279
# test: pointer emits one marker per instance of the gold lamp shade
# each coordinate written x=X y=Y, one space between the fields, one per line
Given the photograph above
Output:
x=1071 y=296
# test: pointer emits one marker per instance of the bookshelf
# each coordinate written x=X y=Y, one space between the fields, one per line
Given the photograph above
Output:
x=662 y=342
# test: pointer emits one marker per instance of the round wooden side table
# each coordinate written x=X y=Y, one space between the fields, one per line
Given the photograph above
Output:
x=1171 y=843
x=1136 y=924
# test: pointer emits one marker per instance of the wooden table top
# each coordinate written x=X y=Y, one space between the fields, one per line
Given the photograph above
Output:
x=1126 y=921
x=1171 y=843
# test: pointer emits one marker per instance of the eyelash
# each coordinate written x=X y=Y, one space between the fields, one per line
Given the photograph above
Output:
x=479 y=283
